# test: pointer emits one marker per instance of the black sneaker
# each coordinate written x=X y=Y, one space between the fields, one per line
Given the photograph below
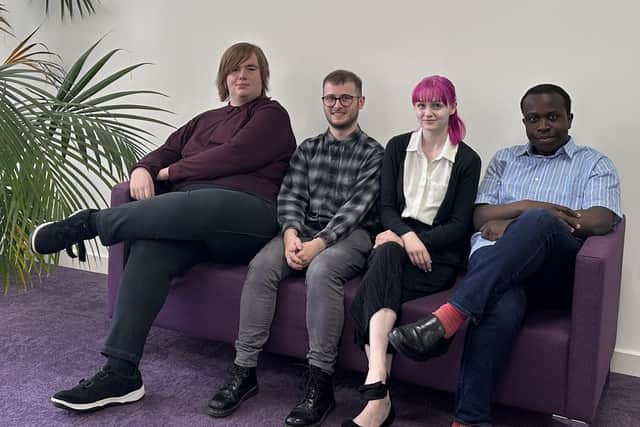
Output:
x=106 y=388
x=54 y=236
x=240 y=385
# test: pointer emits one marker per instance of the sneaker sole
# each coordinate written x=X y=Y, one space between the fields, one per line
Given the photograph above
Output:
x=134 y=396
x=221 y=414
x=38 y=228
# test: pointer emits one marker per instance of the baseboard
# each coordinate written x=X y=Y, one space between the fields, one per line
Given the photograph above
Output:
x=95 y=263
x=626 y=362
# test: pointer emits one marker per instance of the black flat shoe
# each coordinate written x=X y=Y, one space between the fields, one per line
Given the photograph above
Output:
x=420 y=340
x=375 y=391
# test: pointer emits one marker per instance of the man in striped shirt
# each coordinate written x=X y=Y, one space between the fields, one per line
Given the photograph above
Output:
x=324 y=209
x=535 y=206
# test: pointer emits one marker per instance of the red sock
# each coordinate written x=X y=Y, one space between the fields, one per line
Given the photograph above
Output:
x=457 y=424
x=451 y=319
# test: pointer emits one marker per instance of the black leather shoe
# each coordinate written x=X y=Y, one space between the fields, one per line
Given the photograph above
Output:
x=420 y=340
x=375 y=391
x=241 y=384
x=317 y=403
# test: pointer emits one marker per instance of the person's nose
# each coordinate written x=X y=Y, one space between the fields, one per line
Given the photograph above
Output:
x=543 y=125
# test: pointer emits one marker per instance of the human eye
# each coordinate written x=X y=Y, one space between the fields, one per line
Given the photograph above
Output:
x=346 y=98
x=436 y=105
x=330 y=98
x=531 y=118
x=252 y=67
x=552 y=117
x=421 y=105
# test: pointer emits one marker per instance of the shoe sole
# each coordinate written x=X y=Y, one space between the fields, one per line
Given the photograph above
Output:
x=32 y=239
x=319 y=422
x=134 y=396
x=225 y=413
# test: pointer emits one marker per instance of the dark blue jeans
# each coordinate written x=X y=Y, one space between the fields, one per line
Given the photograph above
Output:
x=533 y=261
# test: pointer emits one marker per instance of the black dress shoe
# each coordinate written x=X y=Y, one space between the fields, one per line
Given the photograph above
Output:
x=317 y=403
x=420 y=340
x=240 y=385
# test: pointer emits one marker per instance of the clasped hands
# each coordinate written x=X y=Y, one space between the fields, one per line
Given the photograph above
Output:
x=494 y=229
x=299 y=254
x=416 y=250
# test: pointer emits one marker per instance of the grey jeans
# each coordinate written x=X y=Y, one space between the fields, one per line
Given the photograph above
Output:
x=324 y=280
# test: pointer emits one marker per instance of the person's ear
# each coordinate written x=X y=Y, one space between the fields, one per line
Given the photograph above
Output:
x=361 y=101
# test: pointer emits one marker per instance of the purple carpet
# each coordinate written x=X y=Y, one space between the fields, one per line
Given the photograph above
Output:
x=51 y=336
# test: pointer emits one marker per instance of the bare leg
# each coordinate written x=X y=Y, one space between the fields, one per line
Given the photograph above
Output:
x=375 y=412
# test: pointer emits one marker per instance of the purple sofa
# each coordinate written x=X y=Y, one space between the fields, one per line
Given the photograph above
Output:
x=560 y=361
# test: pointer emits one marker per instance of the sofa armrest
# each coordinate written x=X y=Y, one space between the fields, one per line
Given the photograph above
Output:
x=117 y=253
x=120 y=194
x=594 y=319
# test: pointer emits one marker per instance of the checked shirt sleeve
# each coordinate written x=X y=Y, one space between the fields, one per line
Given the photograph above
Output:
x=293 y=198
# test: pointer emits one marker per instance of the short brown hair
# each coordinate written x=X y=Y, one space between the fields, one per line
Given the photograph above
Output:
x=340 y=77
x=233 y=57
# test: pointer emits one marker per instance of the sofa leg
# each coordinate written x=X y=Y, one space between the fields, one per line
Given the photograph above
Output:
x=568 y=421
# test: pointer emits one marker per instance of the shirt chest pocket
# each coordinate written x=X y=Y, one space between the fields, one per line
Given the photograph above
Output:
x=434 y=192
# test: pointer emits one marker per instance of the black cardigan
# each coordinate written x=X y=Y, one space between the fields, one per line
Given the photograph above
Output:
x=447 y=240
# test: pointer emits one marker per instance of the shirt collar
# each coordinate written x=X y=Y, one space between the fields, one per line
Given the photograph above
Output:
x=448 y=150
x=230 y=108
x=353 y=136
x=416 y=138
x=569 y=149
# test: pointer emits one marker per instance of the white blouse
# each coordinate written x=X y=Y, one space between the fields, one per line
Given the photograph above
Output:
x=425 y=182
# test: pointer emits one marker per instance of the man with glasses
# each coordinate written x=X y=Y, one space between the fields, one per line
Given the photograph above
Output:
x=324 y=209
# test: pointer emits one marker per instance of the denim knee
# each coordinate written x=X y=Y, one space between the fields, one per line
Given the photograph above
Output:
x=543 y=219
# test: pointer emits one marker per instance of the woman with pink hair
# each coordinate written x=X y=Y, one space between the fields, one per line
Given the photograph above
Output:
x=429 y=184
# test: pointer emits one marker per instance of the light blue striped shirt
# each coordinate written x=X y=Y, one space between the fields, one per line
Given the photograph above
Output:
x=575 y=176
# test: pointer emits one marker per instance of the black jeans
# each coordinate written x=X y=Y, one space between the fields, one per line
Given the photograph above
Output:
x=168 y=234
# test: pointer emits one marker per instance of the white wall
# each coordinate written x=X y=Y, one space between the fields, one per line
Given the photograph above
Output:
x=492 y=50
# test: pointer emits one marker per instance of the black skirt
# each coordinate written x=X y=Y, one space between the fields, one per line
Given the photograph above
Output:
x=391 y=280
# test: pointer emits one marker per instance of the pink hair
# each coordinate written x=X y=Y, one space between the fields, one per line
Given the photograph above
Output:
x=440 y=89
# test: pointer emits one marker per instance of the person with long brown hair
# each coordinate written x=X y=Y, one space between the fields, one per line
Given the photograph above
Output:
x=222 y=171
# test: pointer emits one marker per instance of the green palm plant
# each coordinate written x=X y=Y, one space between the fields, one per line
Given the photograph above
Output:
x=60 y=133
x=67 y=6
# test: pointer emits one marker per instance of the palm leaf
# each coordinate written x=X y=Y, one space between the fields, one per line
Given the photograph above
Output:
x=61 y=139
x=5 y=27
x=68 y=6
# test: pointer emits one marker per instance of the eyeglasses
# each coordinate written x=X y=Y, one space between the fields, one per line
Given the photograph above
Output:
x=345 y=100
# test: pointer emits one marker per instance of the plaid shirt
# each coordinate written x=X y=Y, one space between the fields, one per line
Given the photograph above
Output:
x=331 y=185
